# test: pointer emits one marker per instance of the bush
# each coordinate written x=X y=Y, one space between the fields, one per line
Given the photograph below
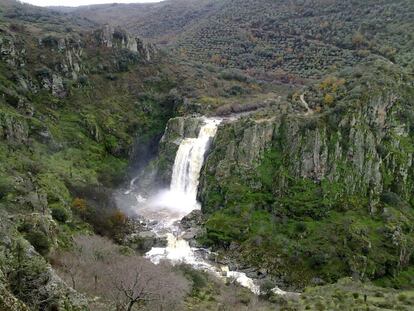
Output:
x=402 y=297
x=43 y=72
x=244 y=297
x=300 y=227
x=111 y=77
x=83 y=80
x=235 y=90
x=39 y=241
x=60 y=214
x=197 y=278
x=234 y=74
x=50 y=41
x=80 y=207
x=318 y=260
x=391 y=199
x=266 y=287
x=5 y=187
x=328 y=99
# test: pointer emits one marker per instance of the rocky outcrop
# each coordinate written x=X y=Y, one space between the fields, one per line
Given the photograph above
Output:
x=367 y=149
x=26 y=276
x=159 y=171
x=349 y=169
x=116 y=37
x=70 y=57
x=13 y=128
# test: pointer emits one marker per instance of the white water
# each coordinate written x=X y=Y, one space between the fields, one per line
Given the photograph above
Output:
x=181 y=198
x=169 y=206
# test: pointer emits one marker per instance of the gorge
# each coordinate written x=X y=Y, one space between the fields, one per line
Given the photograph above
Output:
x=223 y=155
x=163 y=211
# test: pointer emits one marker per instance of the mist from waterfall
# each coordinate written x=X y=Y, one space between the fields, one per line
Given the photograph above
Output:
x=181 y=198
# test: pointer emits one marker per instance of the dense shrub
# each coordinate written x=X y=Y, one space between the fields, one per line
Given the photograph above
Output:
x=197 y=278
x=233 y=74
x=5 y=187
x=50 y=41
x=80 y=206
x=60 y=214
x=102 y=215
x=391 y=198
x=40 y=241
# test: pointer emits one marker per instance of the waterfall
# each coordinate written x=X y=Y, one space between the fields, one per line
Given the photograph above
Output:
x=189 y=161
x=181 y=198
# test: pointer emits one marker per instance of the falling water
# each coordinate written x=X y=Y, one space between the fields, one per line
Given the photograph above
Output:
x=181 y=198
x=189 y=161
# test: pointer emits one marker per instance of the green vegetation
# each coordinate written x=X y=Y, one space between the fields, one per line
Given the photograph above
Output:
x=298 y=206
x=351 y=295
x=66 y=132
x=307 y=39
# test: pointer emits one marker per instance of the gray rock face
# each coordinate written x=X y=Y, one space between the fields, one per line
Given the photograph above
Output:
x=366 y=150
x=69 y=61
x=13 y=128
x=52 y=285
x=115 y=37
x=192 y=220
x=159 y=171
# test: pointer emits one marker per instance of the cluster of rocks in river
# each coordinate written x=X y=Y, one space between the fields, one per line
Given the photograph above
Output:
x=140 y=237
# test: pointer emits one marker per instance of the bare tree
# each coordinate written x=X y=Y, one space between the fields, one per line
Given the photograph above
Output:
x=131 y=278
x=69 y=264
x=139 y=283
x=95 y=252
x=83 y=265
x=96 y=267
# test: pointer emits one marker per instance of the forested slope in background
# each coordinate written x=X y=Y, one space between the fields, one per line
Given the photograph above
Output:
x=307 y=38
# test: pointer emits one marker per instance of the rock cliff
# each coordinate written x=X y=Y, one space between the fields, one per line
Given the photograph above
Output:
x=158 y=172
x=289 y=170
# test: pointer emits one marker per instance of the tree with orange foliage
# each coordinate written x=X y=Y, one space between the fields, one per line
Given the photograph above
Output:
x=328 y=99
x=80 y=207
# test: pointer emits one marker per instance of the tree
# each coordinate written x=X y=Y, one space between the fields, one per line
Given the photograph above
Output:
x=328 y=99
x=80 y=207
x=83 y=265
x=139 y=283
x=358 y=39
x=132 y=287
x=96 y=267
x=28 y=278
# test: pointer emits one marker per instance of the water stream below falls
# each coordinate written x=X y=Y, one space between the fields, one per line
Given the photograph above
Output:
x=164 y=210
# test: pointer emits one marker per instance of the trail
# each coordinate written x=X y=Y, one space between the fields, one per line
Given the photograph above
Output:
x=305 y=104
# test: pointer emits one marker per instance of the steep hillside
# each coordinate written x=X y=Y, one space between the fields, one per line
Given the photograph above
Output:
x=307 y=38
x=160 y=22
x=79 y=104
x=327 y=193
x=72 y=104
